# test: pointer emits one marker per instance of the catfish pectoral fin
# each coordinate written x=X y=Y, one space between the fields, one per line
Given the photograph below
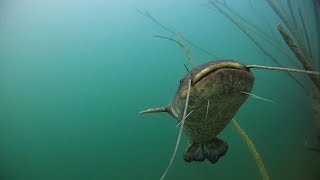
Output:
x=154 y=110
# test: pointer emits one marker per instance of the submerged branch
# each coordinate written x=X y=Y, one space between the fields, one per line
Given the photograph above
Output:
x=252 y=28
x=316 y=10
x=274 y=44
x=148 y=15
x=311 y=147
x=184 y=48
x=296 y=50
x=289 y=25
x=252 y=149
x=284 y=18
x=293 y=17
x=305 y=32
x=238 y=24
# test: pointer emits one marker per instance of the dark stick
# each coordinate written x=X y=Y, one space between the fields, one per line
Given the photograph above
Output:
x=236 y=14
x=313 y=148
x=186 y=67
x=200 y=48
x=296 y=50
x=316 y=9
x=250 y=27
x=293 y=17
x=280 y=14
x=305 y=32
x=254 y=41
x=289 y=24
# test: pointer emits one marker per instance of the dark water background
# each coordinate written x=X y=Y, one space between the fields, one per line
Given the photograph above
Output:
x=74 y=74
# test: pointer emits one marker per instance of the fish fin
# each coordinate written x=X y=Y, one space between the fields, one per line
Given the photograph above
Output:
x=154 y=110
x=211 y=150
x=194 y=153
x=214 y=149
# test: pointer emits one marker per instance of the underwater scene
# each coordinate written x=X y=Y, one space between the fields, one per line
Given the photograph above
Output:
x=234 y=86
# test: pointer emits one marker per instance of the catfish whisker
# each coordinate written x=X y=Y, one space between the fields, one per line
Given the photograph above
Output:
x=186 y=67
x=180 y=132
x=207 y=109
x=283 y=69
x=258 y=97
x=185 y=118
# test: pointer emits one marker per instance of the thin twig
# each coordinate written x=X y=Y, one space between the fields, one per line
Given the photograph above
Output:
x=253 y=150
x=274 y=44
x=293 y=17
x=148 y=15
x=316 y=10
x=258 y=97
x=296 y=50
x=311 y=147
x=253 y=40
x=184 y=48
x=289 y=25
x=249 y=26
x=305 y=32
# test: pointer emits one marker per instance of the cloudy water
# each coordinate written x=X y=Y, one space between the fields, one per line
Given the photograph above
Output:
x=75 y=74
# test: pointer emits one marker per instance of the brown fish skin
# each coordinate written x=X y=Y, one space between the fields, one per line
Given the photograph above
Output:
x=223 y=89
x=216 y=94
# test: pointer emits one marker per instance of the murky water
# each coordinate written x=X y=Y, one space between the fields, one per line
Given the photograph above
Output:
x=74 y=75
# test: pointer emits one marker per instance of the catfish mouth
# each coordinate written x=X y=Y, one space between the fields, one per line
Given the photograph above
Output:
x=211 y=68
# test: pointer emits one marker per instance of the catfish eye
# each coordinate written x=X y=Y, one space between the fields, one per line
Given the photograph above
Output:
x=180 y=81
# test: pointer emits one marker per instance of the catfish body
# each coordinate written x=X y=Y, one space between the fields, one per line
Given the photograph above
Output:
x=215 y=97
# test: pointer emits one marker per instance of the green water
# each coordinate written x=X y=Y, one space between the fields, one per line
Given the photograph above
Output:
x=74 y=74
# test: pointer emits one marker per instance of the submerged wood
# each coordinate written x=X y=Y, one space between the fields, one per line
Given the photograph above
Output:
x=313 y=148
x=316 y=10
x=289 y=25
x=252 y=149
x=252 y=28
x=296 y=50
x=274 y=44
x=293 y=17
x=305 y=32
x=285 y=20
x=315 y=105
x=254 y=41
